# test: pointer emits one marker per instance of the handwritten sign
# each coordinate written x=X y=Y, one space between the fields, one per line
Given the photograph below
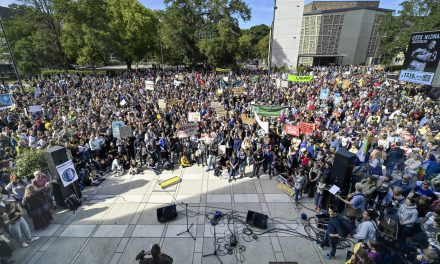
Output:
x=306 y=128
x=292 y=130
x=162 y=104
x=149 y=85
x=346 y=84
x=246 y=120
x=194 y=117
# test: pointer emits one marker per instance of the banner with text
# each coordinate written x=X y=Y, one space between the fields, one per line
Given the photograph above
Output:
x=296 y=78
x=422 y=58
x=188 y=130
x=292 y=130
x=193 y=117
x=269 y=110
x=306 y=128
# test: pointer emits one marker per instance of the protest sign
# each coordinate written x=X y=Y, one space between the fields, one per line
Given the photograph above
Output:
x=187 y=130
x=219 y=109
x=222 y=70
x=346 y=84
x=324 y=94
x=292 y=130
x=123 y=102
x=162 y=104
x=226 y=79
x=337 y=98
x=284 y=84
x=296 y=78
x=246 y=120
x=306 y=128
x=149 y=85
x=268 y=110
x=124 y=131
x=181 y=77
x=172 y=102
x=278 y=83
x=115 y=128
x=35 y=108
x=193 y=117
x=6 y=101
x=67 y=173
x=177 y=83
x=238 y=90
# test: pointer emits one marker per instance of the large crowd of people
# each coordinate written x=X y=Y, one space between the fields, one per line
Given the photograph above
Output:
x=391 y=126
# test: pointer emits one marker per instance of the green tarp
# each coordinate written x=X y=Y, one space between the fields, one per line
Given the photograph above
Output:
x=269 y=110
x=295 y=78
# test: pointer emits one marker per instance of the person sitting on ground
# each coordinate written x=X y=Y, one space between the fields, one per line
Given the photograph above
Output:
x=157 y=257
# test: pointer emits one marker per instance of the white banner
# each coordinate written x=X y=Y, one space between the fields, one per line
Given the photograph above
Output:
x=187 y=130
x=67 y=173
x=263 y=125
x=193 y=117
x=416 y=77
x=35 y=108
x=149 y=85
x=162 y=104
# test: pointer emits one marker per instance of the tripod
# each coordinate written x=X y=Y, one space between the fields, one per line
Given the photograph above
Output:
x=187 y=227
x=215 y=246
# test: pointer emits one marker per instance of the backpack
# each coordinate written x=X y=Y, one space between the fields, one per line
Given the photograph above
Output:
x=72 y=202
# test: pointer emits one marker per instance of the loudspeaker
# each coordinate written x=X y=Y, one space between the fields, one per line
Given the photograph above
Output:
x=55 y=156
x=60 y=193
x=256 y=219
x=342 y=170
x=167 y=213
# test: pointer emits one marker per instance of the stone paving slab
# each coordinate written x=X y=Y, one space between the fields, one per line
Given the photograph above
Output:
x=119 y=219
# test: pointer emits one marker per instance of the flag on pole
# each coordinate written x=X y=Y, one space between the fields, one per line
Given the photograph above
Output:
x=263 y=125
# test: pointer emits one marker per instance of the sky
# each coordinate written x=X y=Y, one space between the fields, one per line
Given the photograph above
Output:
x=262 y=10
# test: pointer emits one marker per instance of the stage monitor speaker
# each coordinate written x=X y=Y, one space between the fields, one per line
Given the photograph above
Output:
x=167 y=213
x=342 y=170
x=256 y=219
x=55 y=156
x=60 y=193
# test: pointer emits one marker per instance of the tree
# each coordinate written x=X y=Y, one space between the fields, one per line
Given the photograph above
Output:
x=415 y=16
x=134 y=30
x=263 y=47
x=249 y=40
x=86 y=35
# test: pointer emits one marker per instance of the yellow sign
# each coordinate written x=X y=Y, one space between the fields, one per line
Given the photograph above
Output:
x=287 y=189
x=238 y=91
x=346 y=84
x=247 y=120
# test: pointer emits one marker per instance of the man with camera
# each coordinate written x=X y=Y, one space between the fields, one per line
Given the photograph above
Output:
x=156 y=256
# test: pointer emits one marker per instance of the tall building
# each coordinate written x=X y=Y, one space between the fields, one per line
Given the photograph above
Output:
x=286 y=32
x=340 y=32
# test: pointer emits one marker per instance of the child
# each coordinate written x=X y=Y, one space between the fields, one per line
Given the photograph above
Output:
x=320 y=187
x=116 y=167
x=299 y=184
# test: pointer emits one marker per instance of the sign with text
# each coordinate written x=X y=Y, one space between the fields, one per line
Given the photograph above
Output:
x=422 y=58
x=292 y=130
x=247 y=120
x=67 y=173
x=162 y=103
x=149 y=85
x=219 y=109
x=187 y=130
x=6 y=101
x=346 y=84
x=306 y=128
x=296 y=78
x=324 y=94
x=193 y=117
x=115 y=128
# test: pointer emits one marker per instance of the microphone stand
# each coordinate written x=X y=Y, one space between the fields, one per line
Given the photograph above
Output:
x=187 y=227
x=215 y=246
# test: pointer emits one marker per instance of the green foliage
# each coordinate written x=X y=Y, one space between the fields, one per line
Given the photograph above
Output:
x=263 y=47
x=415 y=16
x=250 y=42
x=134 y=30
x=29 y=161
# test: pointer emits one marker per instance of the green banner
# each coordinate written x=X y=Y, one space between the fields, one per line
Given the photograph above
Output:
x=254 y=78
x=295 y=78
x=222 y=70
x=269 y=110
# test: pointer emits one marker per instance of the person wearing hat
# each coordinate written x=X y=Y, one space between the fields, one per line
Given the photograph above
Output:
x=18 y=225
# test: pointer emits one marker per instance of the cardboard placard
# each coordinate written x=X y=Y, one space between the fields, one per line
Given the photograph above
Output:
x=125 y=131
x=188 y=130
x=172 y=102
x=346 y=84
x=219 y=109
x=238 y=91
x=149 y=85
x=246 y=120
x=162 y=104
x=193 y=117
x=306 y=128
x=292 y=130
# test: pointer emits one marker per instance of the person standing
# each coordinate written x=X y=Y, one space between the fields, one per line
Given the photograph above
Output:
x=299 y=184
x=17 y=225
x=157 y=257
x=258 y=161
x=333 y=232
x=37 y=206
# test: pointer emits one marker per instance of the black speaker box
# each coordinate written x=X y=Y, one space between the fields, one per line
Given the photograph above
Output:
x=256 y=219
x=55 y=156
x=60 y=193
x=342 y=170
x=167 y=213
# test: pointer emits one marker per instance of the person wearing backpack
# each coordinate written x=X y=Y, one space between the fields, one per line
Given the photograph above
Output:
x=333 y=232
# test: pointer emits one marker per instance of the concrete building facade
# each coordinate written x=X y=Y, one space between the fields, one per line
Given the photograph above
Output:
x=331 y=32
x=286 y=32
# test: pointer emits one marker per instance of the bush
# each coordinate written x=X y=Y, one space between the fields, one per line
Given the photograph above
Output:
x=29 y=161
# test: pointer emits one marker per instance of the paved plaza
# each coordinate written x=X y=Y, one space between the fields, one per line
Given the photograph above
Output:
x=118 y=219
